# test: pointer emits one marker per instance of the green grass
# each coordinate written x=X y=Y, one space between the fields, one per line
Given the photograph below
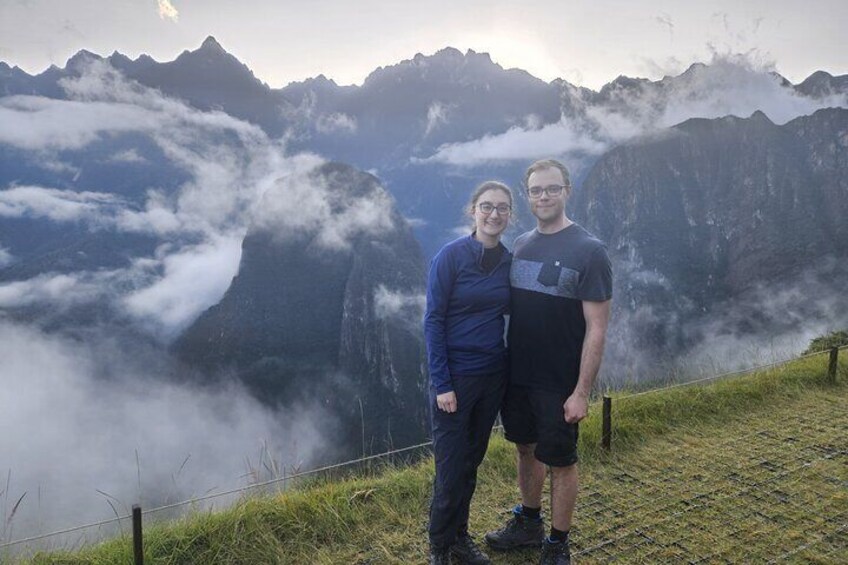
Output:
x=746 y=469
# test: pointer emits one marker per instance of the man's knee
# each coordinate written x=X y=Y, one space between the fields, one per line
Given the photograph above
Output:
x=526 y=449
x=564 y=473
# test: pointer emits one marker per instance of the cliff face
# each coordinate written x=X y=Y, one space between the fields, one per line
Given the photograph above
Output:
x=713 y=209
x=338 y=324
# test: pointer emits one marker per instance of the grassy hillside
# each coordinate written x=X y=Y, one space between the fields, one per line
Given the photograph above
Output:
x=745 y=470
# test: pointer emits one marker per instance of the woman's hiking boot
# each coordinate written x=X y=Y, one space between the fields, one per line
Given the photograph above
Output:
x=464 y=550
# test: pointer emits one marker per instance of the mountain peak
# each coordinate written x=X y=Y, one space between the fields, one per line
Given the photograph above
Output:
x=321 y=80
x=819 y=75
x=448 y=52
x=760 y=116
x=211 y=45
x=695 y=67
x=81 y=56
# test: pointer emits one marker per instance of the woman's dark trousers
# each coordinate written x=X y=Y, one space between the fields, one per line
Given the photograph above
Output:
x=460 y=440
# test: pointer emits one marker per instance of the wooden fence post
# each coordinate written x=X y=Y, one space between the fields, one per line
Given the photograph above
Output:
x=831 y=368
x=606 y=436
x=138 y=548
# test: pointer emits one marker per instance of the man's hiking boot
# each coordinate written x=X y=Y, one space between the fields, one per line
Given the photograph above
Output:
x=555 y=553
x=440 y=556
x=464 y=550
x=519 y=531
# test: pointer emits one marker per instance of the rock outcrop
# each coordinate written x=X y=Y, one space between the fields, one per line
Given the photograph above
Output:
x=712 y=211
x=305 y=321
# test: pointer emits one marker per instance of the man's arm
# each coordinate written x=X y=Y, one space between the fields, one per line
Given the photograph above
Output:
x=597 y=316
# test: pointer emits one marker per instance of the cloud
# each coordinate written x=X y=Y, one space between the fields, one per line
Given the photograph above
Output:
x=671 y=339
x=59 y=289
x=193 y=278
x=104 y=103
x=336 y=123
x=303 y=203
x=159 y=217
x=237 y=177
x=5 y=257
x=533 y=121
x=167 y=10
x=112 y=422
x=58 y=205
x=732 y=85
x=666 y=21
x=735 y=85
x=33 y=122
x=99 y=210
x=519 y=144
x=417 y=222
x=95 y=400
x=127 y=156
x=773 y=320
x=437 y=114
x=398 y=304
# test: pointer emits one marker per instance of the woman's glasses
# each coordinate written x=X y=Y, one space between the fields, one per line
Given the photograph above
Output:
x=487 y=208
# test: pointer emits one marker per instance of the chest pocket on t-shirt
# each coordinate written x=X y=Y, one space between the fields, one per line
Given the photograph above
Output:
x=549 y=274
x=567 y=283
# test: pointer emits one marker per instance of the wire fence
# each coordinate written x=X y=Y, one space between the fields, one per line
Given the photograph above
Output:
x=737 y=373
x=212 y=496
x=360 y=461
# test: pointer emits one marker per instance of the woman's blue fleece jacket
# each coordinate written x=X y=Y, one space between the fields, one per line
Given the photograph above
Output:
x=464 y=321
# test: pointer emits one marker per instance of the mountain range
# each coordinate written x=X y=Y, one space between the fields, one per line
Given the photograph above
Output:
x=183 y=203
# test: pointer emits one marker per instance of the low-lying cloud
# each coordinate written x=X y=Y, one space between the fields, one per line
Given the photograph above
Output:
x=730 y=85
x=172 y=302
x=773 y=321
x=135 y=436
x=302 y=203
x=437 y=114
x=236 y=177
x=336 y=123
x=54 y=204
x=96 y=411
x=520 y=144
x=390 y=303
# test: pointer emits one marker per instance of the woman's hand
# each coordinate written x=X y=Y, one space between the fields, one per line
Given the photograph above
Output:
x=447 y=401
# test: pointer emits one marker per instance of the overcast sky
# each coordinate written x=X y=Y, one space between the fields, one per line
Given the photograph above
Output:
x=588 y=42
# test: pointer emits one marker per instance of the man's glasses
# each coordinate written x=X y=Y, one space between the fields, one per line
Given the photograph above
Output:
x=487 y=208
x=551 y=190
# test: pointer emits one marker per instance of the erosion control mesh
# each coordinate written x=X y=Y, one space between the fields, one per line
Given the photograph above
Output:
x=772 y=489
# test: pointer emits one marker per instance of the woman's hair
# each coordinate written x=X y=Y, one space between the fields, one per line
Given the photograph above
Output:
x=483 y=187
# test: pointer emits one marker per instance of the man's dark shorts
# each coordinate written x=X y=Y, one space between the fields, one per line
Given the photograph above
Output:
x=537 y=416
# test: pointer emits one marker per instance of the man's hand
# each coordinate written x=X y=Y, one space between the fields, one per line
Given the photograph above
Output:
x=575 y=408
x=447 y=401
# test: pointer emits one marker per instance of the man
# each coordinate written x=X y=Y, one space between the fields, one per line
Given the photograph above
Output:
x=561 y=283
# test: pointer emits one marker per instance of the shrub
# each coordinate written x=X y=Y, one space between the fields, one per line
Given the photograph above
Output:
x=825 y=342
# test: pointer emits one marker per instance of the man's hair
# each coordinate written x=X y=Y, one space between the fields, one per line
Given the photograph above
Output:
x=543 y=164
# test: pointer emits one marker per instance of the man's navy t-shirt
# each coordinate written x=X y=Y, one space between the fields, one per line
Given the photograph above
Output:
x=551 y=275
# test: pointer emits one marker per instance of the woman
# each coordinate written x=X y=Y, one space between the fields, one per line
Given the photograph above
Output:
x=467 y=297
